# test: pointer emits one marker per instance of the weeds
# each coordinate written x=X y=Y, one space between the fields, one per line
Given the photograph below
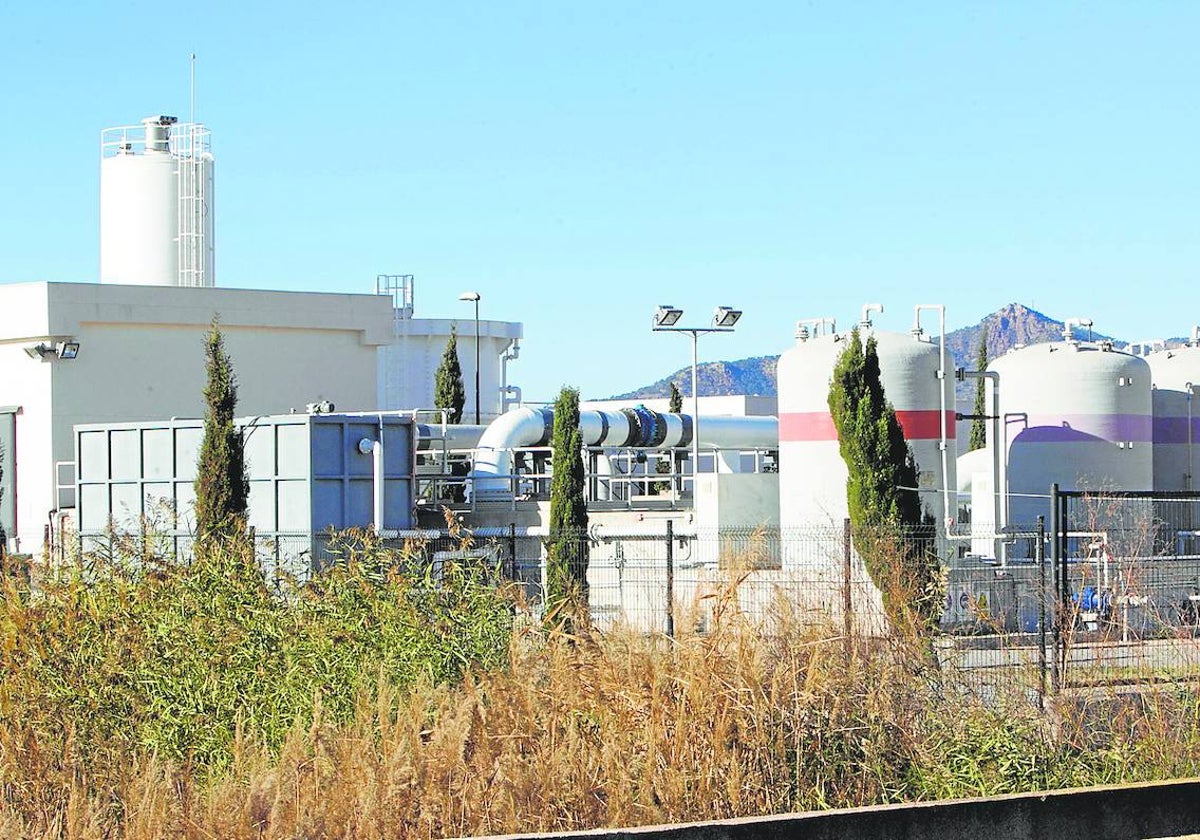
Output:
x=379 y=702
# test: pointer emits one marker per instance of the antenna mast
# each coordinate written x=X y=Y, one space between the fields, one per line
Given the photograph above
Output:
x=192 y=115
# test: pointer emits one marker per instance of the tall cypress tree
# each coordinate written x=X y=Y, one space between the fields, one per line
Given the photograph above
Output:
x=664 y=465
x=978 y=424
x=448 y=390
x=675 y=400
x=567 y=546
x=221 y=486
x=893 y=535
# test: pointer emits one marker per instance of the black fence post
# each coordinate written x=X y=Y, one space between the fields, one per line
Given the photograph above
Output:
x=670 y=579
x=512 y=551
x=1056 y=550
x=1041 y=561
x=847 y=597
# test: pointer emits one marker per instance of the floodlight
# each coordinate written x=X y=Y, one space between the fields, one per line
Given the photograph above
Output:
x=68 y=350
x=667 y=315
x=40 y=350
x=724 y=316
x=469 y=296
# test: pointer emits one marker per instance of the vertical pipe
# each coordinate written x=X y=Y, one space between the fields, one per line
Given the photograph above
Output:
x=477 y=360
x=695 y=419
x=946 y=512
x=1188 y=480
x=377 y=463
x=1056 y=546
x=943 y=444
x=192 y=108
x=1041 y=559
x=670 y=579
x=997 y=488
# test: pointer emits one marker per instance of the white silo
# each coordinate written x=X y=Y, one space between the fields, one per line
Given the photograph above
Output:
x=1175 y=375
x=1076 y=414
x=156 y=201
x=812 y=474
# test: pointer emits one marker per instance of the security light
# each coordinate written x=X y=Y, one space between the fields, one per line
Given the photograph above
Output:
x=667 y=315
x=724 y=316
x=41 y=351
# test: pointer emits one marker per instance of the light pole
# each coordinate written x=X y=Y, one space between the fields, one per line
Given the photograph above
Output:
x=666 y=319
x=474 y=296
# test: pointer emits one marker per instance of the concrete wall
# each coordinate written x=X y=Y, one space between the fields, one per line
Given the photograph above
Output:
x=1162 y=809
x=25 y=385
x=745 y=500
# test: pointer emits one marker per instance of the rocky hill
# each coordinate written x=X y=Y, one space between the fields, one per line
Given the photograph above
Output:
x=1007 y=327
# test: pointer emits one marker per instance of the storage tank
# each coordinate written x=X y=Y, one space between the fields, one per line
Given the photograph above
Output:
x=156 y=193
x=1175 y=375
x=1074 y=413
x=812 y=474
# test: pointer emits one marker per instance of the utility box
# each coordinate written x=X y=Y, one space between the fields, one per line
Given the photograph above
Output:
x=309 y=475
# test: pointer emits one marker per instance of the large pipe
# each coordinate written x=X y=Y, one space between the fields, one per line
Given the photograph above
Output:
x=377 y=463
x=627 y=428
x=997 y=444
x=867 y=309
x=943 y=444
x=510 y=395
x=451 y=436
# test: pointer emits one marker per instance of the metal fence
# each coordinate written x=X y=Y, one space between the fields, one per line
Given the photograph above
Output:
x=1108 y=590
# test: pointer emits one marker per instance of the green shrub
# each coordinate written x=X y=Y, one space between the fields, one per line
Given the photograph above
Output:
x=175 y=659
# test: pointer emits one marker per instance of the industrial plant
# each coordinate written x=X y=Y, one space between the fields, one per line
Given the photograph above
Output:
x=102 y=385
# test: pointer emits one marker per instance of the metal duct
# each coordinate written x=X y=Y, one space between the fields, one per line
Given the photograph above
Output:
x=628 y=428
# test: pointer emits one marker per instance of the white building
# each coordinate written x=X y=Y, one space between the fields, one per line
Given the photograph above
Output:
x=139 y=356
x=129 y=348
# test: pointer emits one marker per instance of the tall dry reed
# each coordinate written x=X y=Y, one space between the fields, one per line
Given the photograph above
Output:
x=605 y=729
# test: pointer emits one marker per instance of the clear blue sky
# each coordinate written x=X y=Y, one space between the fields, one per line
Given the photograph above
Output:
x=579 y=163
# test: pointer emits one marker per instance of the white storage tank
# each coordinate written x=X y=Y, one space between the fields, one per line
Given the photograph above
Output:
x=156 y=194
x=1175 y=375
x=812 y=474
x=1074 y=413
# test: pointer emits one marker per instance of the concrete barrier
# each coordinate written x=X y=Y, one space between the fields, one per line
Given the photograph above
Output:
x=1158 y=809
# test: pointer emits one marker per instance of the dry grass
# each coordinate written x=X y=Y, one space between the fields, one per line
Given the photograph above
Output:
x=605 y=730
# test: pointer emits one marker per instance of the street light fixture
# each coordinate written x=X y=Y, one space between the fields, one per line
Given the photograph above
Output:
x=666 y=319
x=474 y=297
x=67 y=350
x=724 y=316
x=667 y=315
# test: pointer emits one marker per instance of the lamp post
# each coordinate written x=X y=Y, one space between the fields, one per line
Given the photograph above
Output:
x=666 y=319
x=474 y=297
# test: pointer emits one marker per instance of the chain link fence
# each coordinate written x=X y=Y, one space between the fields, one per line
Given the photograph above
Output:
x=1107 y=591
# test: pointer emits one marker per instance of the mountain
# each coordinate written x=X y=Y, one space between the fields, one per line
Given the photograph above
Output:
x=745 y=376
x=1011 y=326
x=1008 y=327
